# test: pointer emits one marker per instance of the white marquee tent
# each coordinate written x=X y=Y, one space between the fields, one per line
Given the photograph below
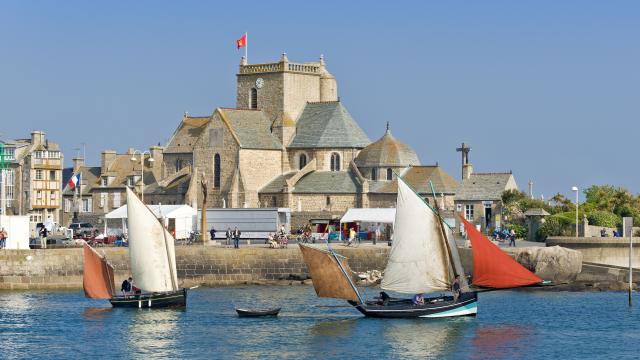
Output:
x=176 y=217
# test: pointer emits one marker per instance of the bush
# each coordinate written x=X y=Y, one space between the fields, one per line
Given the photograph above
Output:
x=520 y=230
x=555 y=225
x=604 y=218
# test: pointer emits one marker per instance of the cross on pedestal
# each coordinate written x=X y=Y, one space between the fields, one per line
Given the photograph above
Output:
x=464 y=149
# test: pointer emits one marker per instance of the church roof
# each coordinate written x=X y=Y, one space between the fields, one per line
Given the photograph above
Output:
x=419 y=177
x=187 y=134
x=387 y=151
x=278 y=183
x=485 y=186
x=328 y=125
x=329 y=182
x=252 y=128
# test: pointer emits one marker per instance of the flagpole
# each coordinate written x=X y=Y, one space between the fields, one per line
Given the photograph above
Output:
x=246 y=46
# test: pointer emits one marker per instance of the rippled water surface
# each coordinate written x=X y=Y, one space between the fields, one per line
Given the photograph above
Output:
x=510 y=324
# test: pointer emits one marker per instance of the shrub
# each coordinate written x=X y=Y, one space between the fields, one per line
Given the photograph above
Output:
x=520 y=230
x=604 y=218
x=555 y=225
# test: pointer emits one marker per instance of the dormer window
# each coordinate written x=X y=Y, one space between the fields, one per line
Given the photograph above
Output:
x=374 y=174
x=131 y=181
x=389 y=174
x=104 y=181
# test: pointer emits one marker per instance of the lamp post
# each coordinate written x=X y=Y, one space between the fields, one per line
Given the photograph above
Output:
x=133 y=158
x=575 y=188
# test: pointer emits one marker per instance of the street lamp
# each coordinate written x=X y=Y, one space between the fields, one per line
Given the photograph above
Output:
x=575 y=188
x=133 y=158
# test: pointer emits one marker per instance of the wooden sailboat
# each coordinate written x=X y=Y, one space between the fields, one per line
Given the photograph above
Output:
x=153 y=263
x=423 y=259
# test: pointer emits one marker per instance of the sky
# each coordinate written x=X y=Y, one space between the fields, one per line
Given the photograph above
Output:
x=546 y=89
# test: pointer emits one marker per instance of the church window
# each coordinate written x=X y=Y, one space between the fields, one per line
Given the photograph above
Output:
x=374 y=174
x=335 y=162
x=302 y=161
x=328 y=200
x=389 y=174
x=179 y=164
x=254 y=98
x=216 y=171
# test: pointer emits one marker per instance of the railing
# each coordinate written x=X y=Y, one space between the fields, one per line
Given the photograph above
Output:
x=278 y=67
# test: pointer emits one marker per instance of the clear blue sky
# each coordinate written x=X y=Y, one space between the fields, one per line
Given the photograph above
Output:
x=548 y=89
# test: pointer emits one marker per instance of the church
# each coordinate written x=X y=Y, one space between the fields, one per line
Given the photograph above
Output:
x=290 y=142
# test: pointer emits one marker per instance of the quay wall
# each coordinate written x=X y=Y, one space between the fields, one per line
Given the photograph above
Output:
x=601 y=250
x=196 y=265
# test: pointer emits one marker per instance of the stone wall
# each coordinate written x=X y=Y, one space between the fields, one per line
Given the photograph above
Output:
x=197 y=265
x=601 y=250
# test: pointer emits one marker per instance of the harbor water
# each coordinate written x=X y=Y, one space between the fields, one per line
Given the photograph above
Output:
x=510 y=324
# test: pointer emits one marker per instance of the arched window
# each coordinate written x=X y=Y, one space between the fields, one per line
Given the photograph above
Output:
x=374 y=174
x=302 y=161
x=335 y=162
x=389 y=174
x=216 y=171
x=254 y=98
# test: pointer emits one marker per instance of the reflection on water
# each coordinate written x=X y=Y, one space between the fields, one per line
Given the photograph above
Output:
x=153 y=331
x=95 y=313
x=502 y=341
x=425 y=337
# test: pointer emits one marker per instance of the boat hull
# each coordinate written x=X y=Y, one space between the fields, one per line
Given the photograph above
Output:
x=151 y=300
x=437 y=307
x=257 y=313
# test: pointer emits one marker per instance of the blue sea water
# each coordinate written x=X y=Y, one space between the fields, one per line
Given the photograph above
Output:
x=509 y=325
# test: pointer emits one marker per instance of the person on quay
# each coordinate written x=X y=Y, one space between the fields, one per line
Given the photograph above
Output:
x=212 y=233
x=512 y=238
x=43 y=237
x=352 y=236
x=229 y=235
x=3 y=238
x=236 y=238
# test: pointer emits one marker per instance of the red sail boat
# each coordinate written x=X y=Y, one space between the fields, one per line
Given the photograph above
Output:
x=492 y=267
x=97 y=280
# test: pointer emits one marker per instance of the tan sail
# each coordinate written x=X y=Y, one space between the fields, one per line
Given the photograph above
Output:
x=151 y=249
x=328 y=279
x=97 y=279
x=419 y=259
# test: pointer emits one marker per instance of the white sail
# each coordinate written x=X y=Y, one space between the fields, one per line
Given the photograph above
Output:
x=151 y=249
x=418 y=261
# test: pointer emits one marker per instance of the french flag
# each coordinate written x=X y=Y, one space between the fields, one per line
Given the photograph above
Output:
x=74 y=181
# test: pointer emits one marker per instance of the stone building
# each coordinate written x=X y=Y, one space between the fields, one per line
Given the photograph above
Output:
x=479 y=197
x=290 y=142
x=103 y=189
x=33 y=174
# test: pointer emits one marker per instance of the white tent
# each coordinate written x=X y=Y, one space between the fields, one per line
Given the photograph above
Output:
x=176 y=217
x=372 y=215
x=17 y=228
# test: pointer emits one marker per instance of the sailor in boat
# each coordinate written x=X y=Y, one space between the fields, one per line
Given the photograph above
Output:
x=418 y=299
x=457 y=291
x=126 y=286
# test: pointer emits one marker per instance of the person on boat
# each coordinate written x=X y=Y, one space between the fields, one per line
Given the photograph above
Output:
x=126 y=286
x=212 y=232
x=383 y=299
x=457 y=291
x=236 y=238
x=418 y=299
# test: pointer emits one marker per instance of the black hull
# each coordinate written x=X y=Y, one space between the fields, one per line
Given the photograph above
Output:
x=171 y=299
x=436 y=307
x=257 y=313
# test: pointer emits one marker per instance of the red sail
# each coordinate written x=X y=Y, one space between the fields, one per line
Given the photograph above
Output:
x=492 y=267
x=97 y=279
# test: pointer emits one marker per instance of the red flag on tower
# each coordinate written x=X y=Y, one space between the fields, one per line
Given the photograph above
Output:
x=242 y=42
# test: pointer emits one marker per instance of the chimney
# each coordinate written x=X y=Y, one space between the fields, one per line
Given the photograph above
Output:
x=37 y=137
x=78 y=162
x=107 y=157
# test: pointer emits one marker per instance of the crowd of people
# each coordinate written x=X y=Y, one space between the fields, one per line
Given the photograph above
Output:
x=505 y=234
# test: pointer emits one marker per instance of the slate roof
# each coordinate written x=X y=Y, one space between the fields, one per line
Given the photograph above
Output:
x=252 y=128
x=187 y=134
x=276 y=185
x=329 y=182
x=418 y=177
x=328 y=125
x=178 y=186
x=387 y=151
x=485 y=186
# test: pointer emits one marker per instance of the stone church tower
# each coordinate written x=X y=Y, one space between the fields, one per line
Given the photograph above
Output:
x=282 y=89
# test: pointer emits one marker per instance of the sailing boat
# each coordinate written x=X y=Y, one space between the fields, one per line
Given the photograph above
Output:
x=423 y=259
x=153 y=263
